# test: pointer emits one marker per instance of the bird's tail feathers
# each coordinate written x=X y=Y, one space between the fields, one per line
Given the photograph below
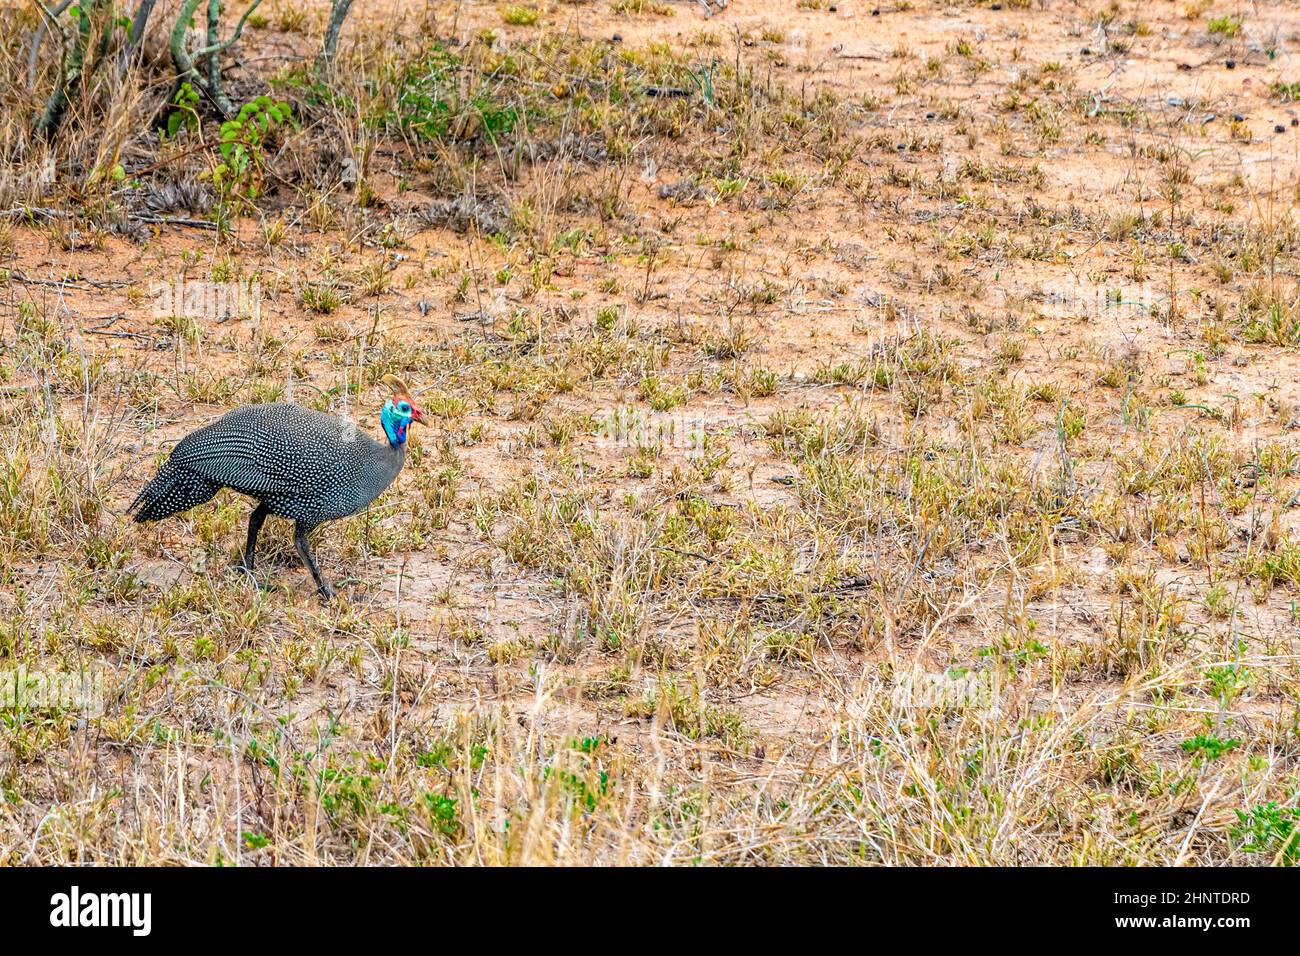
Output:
x=172 y=490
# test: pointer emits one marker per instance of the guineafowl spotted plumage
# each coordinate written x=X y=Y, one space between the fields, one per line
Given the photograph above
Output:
x=296 y=463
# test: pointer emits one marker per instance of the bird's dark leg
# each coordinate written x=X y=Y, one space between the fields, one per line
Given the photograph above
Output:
x=300 y=533
x=254 y=527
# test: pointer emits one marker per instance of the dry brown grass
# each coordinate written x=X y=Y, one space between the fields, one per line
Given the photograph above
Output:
x=948 y=511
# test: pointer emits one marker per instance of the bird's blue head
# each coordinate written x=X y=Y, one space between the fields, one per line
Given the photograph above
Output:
x=398 y=412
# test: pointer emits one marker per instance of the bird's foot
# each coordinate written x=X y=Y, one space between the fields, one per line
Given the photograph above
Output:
x=243 y=569
x=326 y=592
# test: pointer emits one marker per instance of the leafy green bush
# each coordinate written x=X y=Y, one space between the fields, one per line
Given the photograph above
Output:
x=1268 y=828
x=428 y=103
x=238 y=177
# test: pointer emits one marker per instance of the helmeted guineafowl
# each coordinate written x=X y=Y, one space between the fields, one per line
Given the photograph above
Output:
x=297 y=463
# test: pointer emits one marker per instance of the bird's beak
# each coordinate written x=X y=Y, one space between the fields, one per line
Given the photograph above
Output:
x=417 y=413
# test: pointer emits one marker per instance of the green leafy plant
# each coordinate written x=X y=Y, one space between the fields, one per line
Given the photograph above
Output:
x=186 y=112
x=1229 y=680
x=430 y=102
x=1227 y=27
x=442 y=813
x=239 y=176
x=519 y=16
x=1268 y=828
x=1209 y=747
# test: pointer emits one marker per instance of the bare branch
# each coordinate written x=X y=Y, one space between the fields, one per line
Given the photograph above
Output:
x=338 y=13
x=70 y=74
x=213 y=48
x=38 y=35
x=139 y=23
x=186 y=63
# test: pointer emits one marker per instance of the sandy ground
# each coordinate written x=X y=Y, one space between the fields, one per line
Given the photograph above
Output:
x=963 y=217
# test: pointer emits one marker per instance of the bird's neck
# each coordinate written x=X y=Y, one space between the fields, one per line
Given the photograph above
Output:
x=392 y=457
x=394 y=430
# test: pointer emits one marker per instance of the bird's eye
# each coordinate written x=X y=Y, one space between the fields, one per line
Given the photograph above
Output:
x=403 y=408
